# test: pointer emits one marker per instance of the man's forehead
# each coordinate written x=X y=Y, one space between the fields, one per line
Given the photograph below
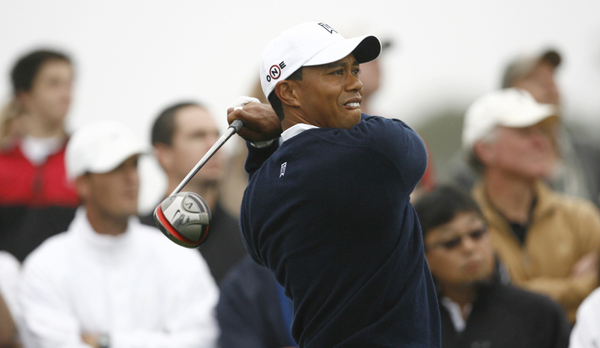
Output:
x=194 y=115
x=464 y=220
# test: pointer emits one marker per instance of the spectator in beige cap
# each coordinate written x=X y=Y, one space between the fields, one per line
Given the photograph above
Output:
x=547 y=240
x=576 y=158
x=535 y=74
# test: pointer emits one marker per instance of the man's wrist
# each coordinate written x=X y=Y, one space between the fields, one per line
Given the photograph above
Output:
x=261 y=144
x=104 y=340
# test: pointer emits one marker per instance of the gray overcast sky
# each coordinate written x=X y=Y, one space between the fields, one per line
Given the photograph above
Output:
x=133 y=58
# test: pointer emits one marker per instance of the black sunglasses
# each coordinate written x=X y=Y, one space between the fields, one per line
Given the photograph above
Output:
x=455 y=242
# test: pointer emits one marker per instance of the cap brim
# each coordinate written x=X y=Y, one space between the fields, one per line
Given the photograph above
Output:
x=530 y=116
x=111 y=160
x=365 y=49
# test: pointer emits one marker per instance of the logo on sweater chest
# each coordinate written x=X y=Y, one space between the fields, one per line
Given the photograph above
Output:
x=282 y=170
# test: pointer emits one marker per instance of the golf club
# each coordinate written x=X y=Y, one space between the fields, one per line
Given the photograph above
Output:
x=184 y=217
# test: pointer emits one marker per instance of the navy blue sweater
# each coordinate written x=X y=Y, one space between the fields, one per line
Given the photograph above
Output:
x=328 y=213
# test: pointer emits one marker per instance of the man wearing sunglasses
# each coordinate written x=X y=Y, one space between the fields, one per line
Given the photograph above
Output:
x=478 y=307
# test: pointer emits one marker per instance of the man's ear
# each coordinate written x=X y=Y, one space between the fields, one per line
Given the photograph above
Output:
x=163 y=156
x=484 y=152
x=82 y=185
x=23 y=100
x=287 y=92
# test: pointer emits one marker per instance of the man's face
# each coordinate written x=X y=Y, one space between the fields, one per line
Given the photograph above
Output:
x=195 y=133
x=541 y=84
x=329 y=94
x=460 y=253
x=522 y=152
x=50 y=94
x=115 y=193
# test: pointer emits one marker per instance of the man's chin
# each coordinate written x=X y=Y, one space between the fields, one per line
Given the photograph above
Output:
x=353 y=119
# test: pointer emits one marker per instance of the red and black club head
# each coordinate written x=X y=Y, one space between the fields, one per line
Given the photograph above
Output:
x=184 y=218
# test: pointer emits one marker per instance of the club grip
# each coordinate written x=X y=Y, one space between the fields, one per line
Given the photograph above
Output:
x=237 y=125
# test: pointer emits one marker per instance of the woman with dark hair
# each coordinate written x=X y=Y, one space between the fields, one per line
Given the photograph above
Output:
x=36 y=200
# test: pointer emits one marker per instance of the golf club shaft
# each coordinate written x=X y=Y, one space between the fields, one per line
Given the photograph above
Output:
x=235 y=126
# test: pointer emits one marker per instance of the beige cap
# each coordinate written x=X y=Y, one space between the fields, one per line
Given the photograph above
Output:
x=524 y=64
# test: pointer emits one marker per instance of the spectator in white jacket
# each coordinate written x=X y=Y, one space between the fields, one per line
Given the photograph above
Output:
x=109 y=281
x=586 y=332
x=9 y=276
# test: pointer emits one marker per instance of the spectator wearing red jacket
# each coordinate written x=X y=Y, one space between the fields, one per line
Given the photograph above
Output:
x=36 y=201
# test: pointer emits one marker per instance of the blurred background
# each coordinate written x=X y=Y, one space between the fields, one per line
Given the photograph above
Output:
x=134 y=58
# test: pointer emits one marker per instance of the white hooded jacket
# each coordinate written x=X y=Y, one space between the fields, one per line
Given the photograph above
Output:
x=139 y=288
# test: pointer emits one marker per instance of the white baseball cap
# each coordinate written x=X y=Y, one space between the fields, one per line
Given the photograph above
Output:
x=100 y=147
x=310 y=44
x=509 y=107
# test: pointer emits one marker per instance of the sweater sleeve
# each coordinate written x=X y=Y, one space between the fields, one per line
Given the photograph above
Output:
x=398 y=142
x=571 y=291
x=191 y=318
x=48 y=321
x=257 y=156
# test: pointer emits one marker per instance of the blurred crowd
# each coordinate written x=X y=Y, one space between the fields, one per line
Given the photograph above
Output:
x=512 y=241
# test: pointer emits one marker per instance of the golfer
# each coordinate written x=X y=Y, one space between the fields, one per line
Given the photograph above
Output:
x=327 y=206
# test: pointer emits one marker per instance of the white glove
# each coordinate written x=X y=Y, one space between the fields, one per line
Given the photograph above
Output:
x=243 y=100
x=238 y=105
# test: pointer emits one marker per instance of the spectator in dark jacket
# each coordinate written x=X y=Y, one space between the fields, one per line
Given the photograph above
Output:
x=478 y=306
x=181 y=134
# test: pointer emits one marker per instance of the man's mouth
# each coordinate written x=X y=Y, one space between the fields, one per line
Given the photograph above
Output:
x=353 y=103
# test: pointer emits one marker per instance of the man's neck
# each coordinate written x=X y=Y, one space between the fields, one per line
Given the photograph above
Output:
x=208 y=191
x=511 y=196
x=104 y=223
x=292 y=118
x=36 y=126
x=464 y=296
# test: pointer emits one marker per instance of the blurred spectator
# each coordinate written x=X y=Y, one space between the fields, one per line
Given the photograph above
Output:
x=576 y=159
x=109 y=280
x=547 y=240
x=253 y=310
x=478 y=306
x=8 y=329
x=181 y=135
x=9 y=275
x=36 y=201
x=586 y=332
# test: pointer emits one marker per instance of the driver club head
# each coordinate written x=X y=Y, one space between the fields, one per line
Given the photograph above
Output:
x=184 y=218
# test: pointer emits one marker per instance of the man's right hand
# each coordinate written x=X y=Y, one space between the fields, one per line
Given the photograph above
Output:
x=586 y=265
x=260 y=122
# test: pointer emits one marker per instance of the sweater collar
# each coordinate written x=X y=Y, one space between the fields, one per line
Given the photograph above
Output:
x=82 y=228
x=295 y=130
